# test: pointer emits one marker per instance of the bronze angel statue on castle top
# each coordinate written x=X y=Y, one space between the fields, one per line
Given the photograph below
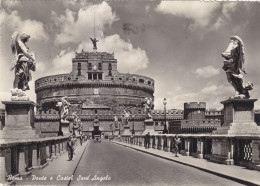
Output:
x=23 y=61
x=234 y=67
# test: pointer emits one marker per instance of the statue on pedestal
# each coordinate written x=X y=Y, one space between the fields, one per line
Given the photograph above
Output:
x=148 y=107
x=234 y=66
x=64 y=109
x=76 y=123
x=23 y=63
x=126 y=116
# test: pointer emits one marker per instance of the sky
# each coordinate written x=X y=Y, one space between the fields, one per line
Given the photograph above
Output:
x=176 y=43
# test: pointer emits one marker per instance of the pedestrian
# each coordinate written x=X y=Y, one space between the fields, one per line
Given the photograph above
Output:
x=175 y=145
x=74 y=143
x=70 y=148
x=132 y=139
x=81 y=139
x=147 y=140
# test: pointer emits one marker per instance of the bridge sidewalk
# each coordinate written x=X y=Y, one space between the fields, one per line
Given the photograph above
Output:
x=236 y=173
x=60 y=169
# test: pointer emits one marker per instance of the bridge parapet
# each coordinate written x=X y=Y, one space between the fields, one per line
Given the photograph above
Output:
x=242 y=150
x=17 y=158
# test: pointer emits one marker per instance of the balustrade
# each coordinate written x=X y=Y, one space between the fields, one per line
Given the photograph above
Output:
x=233 y=150
x=18 y=158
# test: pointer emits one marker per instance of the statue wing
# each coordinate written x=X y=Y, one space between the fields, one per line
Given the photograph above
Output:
x=14 y=49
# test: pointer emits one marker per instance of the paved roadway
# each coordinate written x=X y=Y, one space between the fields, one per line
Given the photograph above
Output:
x=118 y=165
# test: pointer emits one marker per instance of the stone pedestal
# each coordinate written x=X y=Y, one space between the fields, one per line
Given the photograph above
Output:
x=65 y=128
x=127 y=130
x=238 y=117
x=149 y=127
x=19 y=120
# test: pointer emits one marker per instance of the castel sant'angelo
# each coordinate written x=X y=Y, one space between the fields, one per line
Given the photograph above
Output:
x=96 y=91
x=98 y=94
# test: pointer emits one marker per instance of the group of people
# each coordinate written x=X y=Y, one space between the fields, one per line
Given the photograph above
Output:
x=174 y=145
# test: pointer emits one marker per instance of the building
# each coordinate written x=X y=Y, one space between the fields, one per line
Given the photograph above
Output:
x=2 y=118
x=96 y=91
x=195 y=120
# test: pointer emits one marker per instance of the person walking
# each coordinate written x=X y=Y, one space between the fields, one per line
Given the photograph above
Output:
x=175 y=145
x=147 y=140
x=70 y=148
x=81 y=139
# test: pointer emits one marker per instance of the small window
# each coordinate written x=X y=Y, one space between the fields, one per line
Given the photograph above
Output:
x=99 y=66
x=141 y=81
x=95 y=76
x=149 y=82
x=90 y=66
x=109 y=66
x=100 y=76
x=89 y=75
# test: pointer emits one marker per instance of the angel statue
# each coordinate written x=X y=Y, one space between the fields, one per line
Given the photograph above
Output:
x=94 y=42
x=148 y=107
x=234 y=66
x=126 y=116
x=23 y=61
x=76 y=122
x=64 y=106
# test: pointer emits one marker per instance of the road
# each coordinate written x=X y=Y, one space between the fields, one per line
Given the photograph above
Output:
x=111 y=164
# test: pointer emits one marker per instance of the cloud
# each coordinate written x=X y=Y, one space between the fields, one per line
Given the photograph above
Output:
x=11 y=4
x=210 y=89
x=11 y=22
x=212 y=94
x=228 y=8
x=77 y=27
x=199 y=12
x=62 y=63
x=129 y=59
x=207 y=72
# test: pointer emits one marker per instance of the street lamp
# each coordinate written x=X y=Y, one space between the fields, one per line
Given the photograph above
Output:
x=59 y=105
x=133 y=131
x=165 y=131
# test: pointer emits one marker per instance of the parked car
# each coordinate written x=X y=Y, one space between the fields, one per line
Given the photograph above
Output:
x=97 y=139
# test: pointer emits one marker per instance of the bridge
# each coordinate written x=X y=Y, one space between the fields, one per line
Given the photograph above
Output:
x=126 y=161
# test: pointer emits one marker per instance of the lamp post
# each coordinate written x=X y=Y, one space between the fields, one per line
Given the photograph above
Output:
x=133 y=130
x=59 y=105
x=165 y=131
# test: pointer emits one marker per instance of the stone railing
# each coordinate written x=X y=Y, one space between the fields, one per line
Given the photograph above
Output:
x=239 y=150
x=17 y=158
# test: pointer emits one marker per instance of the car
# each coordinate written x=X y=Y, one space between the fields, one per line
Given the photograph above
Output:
x=97 y=139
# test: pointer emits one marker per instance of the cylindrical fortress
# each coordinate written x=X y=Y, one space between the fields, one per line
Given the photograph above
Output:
x=94 y=83
x=194 y=110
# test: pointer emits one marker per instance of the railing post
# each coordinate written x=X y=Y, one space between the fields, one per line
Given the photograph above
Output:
x=35 y=157
x=230 y=160
x=169 y=144
x=57 y=144
x=43 y=155
x=48 y=152
x=256 y=153
x=22 y=169
x=54 y=155
x=188 y=147
x=3 y=172
x=200 y=155
x=156 y=142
